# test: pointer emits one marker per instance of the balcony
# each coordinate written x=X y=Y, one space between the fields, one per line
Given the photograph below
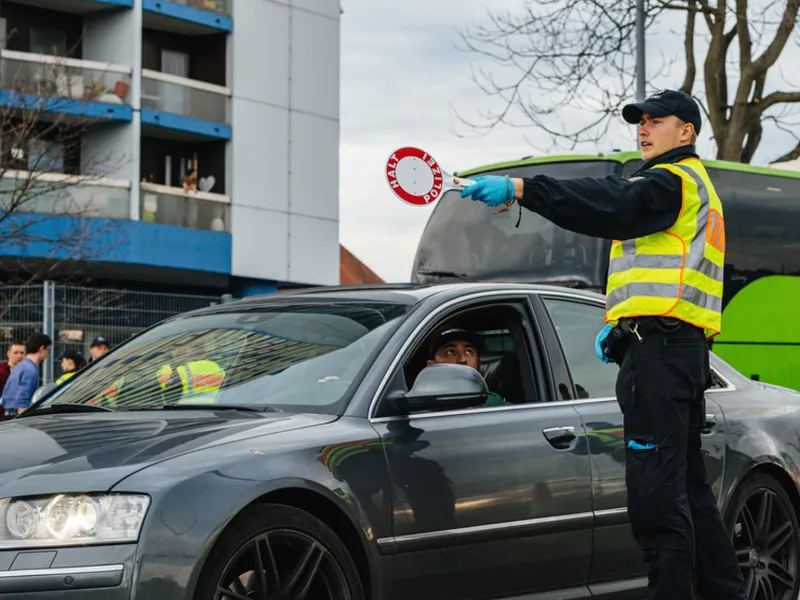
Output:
x=78 y=6
x=189 y=17
x=173 y=206
x=54 y=84
x=60 y=194
x=185 y=105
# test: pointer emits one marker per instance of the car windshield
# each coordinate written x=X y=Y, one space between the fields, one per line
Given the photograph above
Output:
x=466 y=238
x=288 y=356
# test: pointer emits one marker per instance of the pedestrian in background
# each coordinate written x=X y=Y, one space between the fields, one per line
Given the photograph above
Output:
x=98 y=348
x=24 y=379
x=15 y=354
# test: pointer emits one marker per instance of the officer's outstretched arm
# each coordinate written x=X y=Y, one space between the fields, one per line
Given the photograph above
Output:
x=608 y=207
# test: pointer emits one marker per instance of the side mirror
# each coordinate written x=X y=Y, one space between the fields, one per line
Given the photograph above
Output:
x=43 y=391
x=447 y=387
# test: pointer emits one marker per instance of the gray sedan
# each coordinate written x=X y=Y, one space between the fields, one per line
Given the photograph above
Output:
x=313 y=445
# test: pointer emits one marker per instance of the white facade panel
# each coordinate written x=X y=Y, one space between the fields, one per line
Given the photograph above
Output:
x=108 y=37
x=313 y=250
x=260 y=51
x=327 y=8
x=315 y=64
x=111 y=151
x=259 y=155
x=260 y=243
x=314 y=185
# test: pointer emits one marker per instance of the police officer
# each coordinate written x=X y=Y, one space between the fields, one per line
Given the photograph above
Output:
x=664 y=301
x=197 y=381
x=72 y=361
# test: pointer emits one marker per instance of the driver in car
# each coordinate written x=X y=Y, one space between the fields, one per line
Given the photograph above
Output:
x=460 y=347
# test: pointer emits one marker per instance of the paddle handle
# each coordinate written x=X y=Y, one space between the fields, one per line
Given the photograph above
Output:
x=458 y=182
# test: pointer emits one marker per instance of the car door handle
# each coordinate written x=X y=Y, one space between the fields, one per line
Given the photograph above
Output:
x=709 y=423
x=559 y=437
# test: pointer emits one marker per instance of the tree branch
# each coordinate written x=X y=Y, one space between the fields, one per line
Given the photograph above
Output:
x=743 y=29
x=754 y=134
x=729 y=37
x=774 y=50
x=688 y=44
x=566 y=66
x=793 y=154
x=779 y=98
x=46 y=173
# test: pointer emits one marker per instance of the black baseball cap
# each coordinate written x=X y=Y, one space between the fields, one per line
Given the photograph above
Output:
x=99 y=341
x=444 y=336
x=664 y=104
x=72 y=355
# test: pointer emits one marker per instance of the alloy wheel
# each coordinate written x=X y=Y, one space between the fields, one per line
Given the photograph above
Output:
x=766 y=546
x=282 y=565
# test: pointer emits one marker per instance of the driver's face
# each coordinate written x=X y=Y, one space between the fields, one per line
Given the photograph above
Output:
x=457 y=352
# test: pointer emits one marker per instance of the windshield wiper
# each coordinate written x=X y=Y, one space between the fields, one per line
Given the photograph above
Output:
x=64 y=407
x=461 y=276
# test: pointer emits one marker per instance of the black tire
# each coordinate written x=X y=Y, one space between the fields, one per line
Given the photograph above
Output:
x=296 y=541
x=768 y=553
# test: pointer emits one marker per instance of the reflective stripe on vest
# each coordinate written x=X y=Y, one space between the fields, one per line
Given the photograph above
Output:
x=677 y=272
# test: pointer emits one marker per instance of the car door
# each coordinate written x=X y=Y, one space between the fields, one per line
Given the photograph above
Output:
x=617 y=567
x=489 y=502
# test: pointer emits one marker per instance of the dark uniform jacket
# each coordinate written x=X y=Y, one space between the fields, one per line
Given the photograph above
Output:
x=611 y=207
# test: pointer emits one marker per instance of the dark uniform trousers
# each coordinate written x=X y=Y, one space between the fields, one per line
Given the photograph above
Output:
x=672 y=511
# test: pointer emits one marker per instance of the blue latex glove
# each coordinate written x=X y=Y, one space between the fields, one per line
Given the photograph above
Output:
x=598 y=343
x=492 y=190
x=634 y=445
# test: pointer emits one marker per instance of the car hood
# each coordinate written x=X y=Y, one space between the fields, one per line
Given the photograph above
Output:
x=92 y=452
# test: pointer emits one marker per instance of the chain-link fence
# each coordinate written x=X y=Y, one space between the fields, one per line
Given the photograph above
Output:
x=75 y=316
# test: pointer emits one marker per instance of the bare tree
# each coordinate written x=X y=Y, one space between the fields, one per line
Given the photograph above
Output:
x=580 y=54
x=49 y=184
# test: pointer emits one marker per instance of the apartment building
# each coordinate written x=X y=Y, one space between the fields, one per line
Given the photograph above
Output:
x=203 y=136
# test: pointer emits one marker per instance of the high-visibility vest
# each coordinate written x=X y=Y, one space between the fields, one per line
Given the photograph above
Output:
x=677 y=272
x=64 y=377
x=201 y=380
x=108 y=396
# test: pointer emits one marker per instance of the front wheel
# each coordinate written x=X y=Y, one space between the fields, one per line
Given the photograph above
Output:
x=276 y=552
x=766 y=537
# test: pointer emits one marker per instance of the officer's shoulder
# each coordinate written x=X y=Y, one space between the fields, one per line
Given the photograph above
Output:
x=655 y=175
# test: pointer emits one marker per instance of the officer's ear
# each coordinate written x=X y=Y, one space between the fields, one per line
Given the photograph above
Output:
x=688 y=134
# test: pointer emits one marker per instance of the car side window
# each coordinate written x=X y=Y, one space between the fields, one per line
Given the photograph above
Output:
x=577 y=325
x=489 y=338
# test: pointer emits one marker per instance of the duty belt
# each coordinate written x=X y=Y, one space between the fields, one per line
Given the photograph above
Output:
x=637 y=325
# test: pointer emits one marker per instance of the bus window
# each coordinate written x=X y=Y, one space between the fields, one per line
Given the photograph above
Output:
x=762 y=220
x=467 y=238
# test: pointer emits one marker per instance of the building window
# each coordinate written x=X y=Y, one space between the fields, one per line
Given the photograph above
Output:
x=45 y=156
x=47 y=40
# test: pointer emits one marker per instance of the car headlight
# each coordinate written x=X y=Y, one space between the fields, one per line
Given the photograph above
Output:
x=71 y=519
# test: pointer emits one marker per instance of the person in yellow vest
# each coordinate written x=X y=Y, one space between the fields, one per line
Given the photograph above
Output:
x=194 y=381
x=663 y=303
x=71 y=362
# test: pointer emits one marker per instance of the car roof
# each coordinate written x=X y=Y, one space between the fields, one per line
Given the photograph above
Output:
x=400 y=293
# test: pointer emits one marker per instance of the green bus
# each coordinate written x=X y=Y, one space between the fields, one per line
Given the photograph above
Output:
x=761 y=300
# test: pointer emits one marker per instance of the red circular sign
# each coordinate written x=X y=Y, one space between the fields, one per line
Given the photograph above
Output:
x=414 y=176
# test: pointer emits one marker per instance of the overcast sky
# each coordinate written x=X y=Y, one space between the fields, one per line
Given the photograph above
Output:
x=402 y=71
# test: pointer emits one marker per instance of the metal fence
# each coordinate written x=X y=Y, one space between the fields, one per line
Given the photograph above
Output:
x=73 y=316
